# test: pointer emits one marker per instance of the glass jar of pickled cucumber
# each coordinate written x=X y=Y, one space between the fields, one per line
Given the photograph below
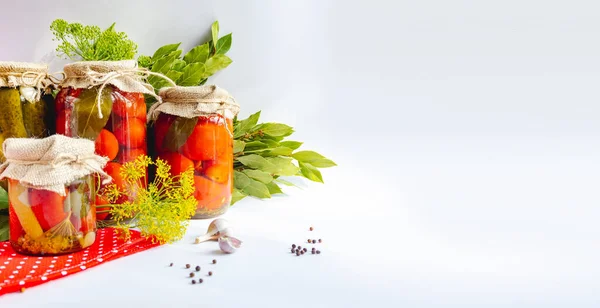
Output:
x=104 y=102
x=51 y=193
x=25 y=109
x=194 y=129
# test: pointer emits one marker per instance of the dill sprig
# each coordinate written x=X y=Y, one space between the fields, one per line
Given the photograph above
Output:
x=160 y=211
x=90 y=43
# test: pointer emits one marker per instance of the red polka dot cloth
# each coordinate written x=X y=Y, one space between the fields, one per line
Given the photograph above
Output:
x=20 y=271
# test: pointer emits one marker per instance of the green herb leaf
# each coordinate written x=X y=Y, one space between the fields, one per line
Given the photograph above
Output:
x=178 y=133
x=178 y=65
x=258 y=175
x=3 y=199
x=250 y=186
x=275 y=129
x=274 y=188
x=243 y=126
x=257 y=162
x=237 y=195
x=192 y=74
x=215 y=64
x=284 y=151
x=214 y=30
x=197 y=54
x=173 y=75
x=314 y=158
x=223 y=44
x=285 y=182
x=283 y=166
x=4 y=227
x=310 y=172
x=255 y=145
x=163 y=65
x=291 y=144
x=238 y=146
x=165 y=50
x=85 y=111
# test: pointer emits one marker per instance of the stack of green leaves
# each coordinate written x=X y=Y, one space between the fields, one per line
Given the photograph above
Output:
x=262 y=157
x=196 y=65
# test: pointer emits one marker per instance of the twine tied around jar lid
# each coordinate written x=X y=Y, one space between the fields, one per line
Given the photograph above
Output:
x=52 y=162
x=30 y=75
x=125 y=75
x=190 y=102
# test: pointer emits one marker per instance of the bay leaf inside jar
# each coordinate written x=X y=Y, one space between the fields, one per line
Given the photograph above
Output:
x=86 y=116
x=179 y=132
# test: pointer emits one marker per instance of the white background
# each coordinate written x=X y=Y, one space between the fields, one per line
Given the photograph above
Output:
x=466 y=135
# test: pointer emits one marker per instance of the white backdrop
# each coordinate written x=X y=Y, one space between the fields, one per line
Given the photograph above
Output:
x=465 y=133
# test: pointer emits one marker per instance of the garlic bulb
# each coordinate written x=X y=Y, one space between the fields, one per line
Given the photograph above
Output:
x=229 y=244
x=217 y=228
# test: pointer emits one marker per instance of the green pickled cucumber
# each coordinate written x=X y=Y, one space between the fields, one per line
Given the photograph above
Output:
x=2 y=158
x=85 y=114
x=11 y=114
x=33 y=118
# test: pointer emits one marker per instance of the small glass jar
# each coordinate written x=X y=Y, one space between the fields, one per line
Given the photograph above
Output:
x=43 y=222
x=120 y=134
x=186 y=138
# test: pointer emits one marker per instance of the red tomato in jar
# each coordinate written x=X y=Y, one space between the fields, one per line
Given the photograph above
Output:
x=15 y=228
x=219 y=173
x=107 y=144
x=48 y=207
x=161 y=128
x=101 y=201
x=128 y=155
x=63 y=123
x=131 y=132
x=208 y=141
x=210 y=195
x=178 y=162
x=129 y=104
x=114 y=170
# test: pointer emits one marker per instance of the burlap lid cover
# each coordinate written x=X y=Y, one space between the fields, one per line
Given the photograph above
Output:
x=17 y=74
x=192 y=102
x=50 y=163
x=125 y=75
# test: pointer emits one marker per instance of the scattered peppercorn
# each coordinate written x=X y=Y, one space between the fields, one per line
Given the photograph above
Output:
x=197 y=268
x=214 y=261
x=171 y=264
x=193 y=281
x=318 y=252
x=305 y=250
x=313 y=249
x=293 y=245
x=313 y=252
x=187 y=266
x=311 y=228
x=293 y=250
x=299 y=247
x=297 y=252
x=209 y=273
x=314 y=241
x=302 y=252
x=309 y=241
x=320 y=241
x=200 y=280
x=192 y=274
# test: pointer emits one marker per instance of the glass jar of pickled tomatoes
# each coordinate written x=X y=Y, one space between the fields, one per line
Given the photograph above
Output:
x=194 y=130
x=104 y=102
x=51 y=194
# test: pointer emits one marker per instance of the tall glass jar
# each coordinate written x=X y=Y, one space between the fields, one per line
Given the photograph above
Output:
x=25 y=109
x=194 y=129
x=112 y=113
x=51 y=193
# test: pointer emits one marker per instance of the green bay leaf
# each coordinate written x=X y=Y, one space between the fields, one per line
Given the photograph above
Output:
x=215 y=64
x=192 y=75
x=274 y=188
x=165 y=50
x=223 y=44
x=178 y=133
x=214 y=30
x=275 y=129
x=243 y=126
x=310 y=172
x=199 y=53
x=313 y=158
x=238 y=146
x=259 y=175
x=283 y=166
x=257 y=162
x=237 y=195
x=291 y=144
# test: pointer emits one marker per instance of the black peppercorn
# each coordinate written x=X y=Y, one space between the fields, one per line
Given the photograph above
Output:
x=197 y=268
x=200 y=280
x=314 y=241
x=293 y=250
x=311 y=228
x=320 y=241
x=193 y=281
x=305 y=250
x=192 y=274
x=209 y=273
x=293 y=245
x=299 y=247
x=313 y=252
x=214 y=261
x=187 y=266
x=302 y=252
x=171 y=264
x=297 y=252
x=318 y=252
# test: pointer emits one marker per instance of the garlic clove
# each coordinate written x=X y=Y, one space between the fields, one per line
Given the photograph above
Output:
x=229 y=244
x=215 y=229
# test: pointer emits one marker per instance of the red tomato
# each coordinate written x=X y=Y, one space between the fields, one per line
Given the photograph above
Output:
x=128 y=155
x=48 y=207
x=131 y=132
x=208 y=141
x=63 y=123
x=219 y=173
x=100 y=216
x=161 y=128
x=210 y=195
x=129 y=104
x=15 y=228
x=178 y=162
x=107 y=144
x=114 y=170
